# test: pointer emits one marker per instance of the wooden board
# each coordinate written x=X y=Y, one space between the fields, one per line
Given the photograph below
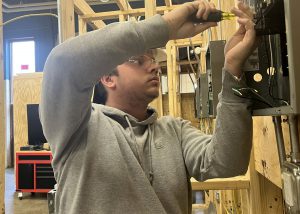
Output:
x=239 y=182
x=66 y=19
x=82 y=8
x=2 y=121
x=265 y=148
x=26 y=90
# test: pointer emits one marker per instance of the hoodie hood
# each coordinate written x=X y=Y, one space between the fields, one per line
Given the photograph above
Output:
x=120 y=116
x=137 y=130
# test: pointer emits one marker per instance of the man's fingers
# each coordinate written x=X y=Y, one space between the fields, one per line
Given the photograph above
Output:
x=212 y=7
x=239 y=13
x=249 y=25
x=207 y=10
x=201 y=10
x=245 y=8
x=202 y=27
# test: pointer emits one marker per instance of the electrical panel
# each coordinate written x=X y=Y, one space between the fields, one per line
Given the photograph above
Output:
x=202 y=97
x=273 y=69
x=211 y=82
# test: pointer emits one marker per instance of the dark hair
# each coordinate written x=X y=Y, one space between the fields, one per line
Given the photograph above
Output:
x=100 y=93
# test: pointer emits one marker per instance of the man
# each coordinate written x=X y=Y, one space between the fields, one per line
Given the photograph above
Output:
x=118 y=157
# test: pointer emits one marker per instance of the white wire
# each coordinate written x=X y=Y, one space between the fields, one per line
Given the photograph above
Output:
x=28 y=15
x=197 y=57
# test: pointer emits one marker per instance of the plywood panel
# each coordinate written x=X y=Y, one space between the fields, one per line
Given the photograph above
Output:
x=188 y=109
x=265 y=148
x=26 y=90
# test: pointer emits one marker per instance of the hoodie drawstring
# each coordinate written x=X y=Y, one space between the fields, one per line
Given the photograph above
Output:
x=135 y=141
x=151 y=135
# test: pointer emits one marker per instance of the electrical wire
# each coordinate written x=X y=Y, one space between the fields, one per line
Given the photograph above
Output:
x=272 y=74
x=197 y=58
x=28 y=15
x=239 y=92
x=190 y=63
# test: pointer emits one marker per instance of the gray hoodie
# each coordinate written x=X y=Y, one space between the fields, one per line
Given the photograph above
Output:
x=106 y=161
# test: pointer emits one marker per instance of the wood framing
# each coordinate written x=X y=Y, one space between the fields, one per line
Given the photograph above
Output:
x=66 y=24
x=115 y=14
x=2 y=120
x=239 y=182
x=168 y=3
x=150 y=6
x=123 y=4
x=82 y=26
x=82 y=8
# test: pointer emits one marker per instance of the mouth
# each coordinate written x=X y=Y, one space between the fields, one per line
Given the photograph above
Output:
x=154 y=79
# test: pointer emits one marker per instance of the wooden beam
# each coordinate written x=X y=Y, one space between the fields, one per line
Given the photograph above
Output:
x=168 y=3
x=2 y=120
x=82 y=28
x=254 y=191
x=82 y=8
x=66 y=24
x=239 y=182
x=123 y=4
x=115 y=14
x=150 y=6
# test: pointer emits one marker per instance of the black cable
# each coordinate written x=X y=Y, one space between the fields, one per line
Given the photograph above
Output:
x=271 y=82
x=239 y=93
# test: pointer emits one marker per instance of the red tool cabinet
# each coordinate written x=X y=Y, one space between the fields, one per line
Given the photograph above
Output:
x=34 y=172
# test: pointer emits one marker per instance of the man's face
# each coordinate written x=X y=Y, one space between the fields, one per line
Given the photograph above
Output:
x=138 y=79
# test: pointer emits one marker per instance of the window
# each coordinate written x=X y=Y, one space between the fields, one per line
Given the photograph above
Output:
x=23 y=57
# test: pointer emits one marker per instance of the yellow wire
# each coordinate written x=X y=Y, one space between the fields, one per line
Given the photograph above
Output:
x=28 y=15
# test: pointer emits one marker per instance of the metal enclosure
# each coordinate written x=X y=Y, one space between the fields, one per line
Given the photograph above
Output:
x=210 y=83
x=214 y=65
x=279 y=94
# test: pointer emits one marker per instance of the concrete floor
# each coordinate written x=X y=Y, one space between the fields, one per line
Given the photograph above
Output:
x=30 y=204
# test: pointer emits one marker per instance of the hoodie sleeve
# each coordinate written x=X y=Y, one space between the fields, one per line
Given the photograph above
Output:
x=74 y=67
x=226 y=153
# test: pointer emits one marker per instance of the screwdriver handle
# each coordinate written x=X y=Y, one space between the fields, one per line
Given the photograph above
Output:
x=212 y=17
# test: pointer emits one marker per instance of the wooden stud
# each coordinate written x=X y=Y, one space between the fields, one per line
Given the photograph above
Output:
x=170 y=74
x=82 y=8
x=122 y=18
x=254 y=191
x=82 y=28
x=150 y=6
x=124 y=5
x=66 y=19
x=168 y=3
x=2 y=120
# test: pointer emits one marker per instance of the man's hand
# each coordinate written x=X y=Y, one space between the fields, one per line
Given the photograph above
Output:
x=180 y=25
x=242 y=43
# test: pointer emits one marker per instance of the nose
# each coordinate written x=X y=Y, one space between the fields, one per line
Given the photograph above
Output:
x=154 y=67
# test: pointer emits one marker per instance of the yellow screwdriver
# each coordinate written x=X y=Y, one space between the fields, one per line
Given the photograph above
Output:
x=213 y=17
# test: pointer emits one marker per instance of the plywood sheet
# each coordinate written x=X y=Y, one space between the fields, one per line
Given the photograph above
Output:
x=26 y=90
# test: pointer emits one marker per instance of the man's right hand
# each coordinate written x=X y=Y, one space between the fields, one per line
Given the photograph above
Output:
x=180 y=24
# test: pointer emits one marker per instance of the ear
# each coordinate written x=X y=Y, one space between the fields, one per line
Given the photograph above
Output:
x=108 y=81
